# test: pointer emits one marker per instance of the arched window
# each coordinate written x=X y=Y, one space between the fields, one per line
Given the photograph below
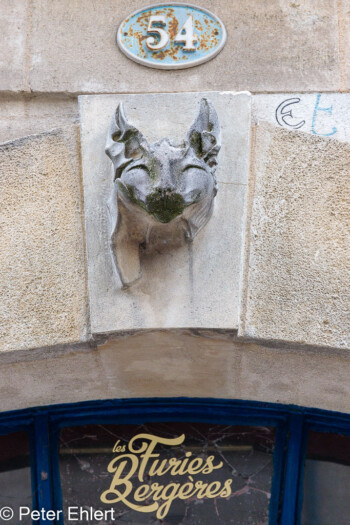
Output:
x=175 y=461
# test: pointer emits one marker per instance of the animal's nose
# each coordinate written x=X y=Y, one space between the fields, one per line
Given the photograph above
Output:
x=165 y=191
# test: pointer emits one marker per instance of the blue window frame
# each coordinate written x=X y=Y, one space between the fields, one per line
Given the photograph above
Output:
x=292 y=425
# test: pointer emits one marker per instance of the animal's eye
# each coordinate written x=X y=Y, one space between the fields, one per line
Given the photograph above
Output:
x=193 y=167
x=138 y=167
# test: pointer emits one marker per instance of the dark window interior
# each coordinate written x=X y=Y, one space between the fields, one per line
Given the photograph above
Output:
x=326 y=499
x=15 y=476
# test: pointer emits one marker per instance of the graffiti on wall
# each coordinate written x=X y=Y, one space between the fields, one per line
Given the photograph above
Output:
x=285 y=117
x=321 y=114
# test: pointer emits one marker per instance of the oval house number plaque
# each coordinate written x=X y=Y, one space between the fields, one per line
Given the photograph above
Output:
x=171 y=36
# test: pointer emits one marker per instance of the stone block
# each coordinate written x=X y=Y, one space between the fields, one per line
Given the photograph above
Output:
x=271 y=46
x=30 y=115
x=42 y=262
x=195 y=285
x=344 y=42
x=173 y=364
x=297 y=267
x=13 y=23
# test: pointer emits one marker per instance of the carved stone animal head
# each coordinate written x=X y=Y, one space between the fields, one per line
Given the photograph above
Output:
x=162 y=183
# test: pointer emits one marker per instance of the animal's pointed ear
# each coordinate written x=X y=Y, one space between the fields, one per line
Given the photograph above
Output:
x=124 y=142
x=204 y=136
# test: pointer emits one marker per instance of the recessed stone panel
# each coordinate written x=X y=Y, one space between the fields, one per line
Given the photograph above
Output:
x=42 y=263
x=297 y=266
x=194 y=285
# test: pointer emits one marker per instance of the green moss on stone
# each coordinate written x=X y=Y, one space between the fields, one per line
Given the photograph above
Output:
x=165 y=208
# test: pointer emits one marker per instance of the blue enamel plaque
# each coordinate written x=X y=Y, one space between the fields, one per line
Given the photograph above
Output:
x=171 y=36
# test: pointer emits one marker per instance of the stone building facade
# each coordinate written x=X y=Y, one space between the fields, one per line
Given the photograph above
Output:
x=261 y=310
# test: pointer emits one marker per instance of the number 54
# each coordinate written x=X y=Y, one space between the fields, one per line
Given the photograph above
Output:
x=186 y=34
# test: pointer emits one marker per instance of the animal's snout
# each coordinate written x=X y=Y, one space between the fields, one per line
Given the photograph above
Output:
x=165 y=206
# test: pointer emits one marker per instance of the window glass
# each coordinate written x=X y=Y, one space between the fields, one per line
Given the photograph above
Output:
x=326 y=498
x=15 y=476
x=173 y=473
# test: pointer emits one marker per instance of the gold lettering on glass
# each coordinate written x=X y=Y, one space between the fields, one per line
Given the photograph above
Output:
x=144 y=464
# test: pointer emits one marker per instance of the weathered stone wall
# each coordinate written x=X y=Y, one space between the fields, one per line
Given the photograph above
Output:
x=290 y=298
x=62 y=47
